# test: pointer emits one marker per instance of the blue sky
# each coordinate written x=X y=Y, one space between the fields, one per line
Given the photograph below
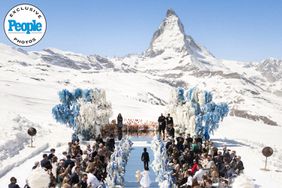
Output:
x=246 y=30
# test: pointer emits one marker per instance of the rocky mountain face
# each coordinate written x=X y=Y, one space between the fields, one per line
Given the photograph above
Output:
x=74 y=61
x=253 y=90
x=171 y=38
x=271 y=69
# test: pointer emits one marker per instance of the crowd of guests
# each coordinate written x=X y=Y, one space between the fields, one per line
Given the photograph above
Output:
x=197 y=163
x=76 y=167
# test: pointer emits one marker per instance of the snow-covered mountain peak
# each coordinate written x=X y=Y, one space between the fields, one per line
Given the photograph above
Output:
x=170 y=39
x=170 y=12
x=169 y=36
x=272 y=62
x=271 y=68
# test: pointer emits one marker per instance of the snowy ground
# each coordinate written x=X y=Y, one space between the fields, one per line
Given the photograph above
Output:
x=248 y=138
x=244 y=136
x=134 y=163
x=26 y=102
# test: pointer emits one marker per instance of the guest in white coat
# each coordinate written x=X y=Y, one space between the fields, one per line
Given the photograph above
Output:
x=199 y=174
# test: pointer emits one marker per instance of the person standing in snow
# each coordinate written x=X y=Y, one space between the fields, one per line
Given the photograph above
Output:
x=169 y=120
x=161 y=127
x=169 y=126
x=13 y=183
x=145 y=158
x=119 y=125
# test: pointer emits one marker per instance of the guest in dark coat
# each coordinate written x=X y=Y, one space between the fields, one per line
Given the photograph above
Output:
x=74 y=178
x=162 y=125
x=111 y=143
x=169 y=120
x=52 y=154
x=69 y=162
x=239 y=166
x=83 y=181
x=45 y=163
x=13 y=183
x=119 y=126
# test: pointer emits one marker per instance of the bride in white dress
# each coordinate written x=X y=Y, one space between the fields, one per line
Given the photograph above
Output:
x=145 y=179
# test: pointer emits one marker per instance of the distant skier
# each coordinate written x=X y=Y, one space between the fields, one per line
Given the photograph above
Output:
x=161 y=127
x=119 y=125
x=145 y=158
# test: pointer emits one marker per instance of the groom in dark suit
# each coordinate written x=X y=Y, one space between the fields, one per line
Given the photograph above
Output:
x=145 y=158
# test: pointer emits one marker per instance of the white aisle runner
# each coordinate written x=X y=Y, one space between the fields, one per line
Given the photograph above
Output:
x=135 y=163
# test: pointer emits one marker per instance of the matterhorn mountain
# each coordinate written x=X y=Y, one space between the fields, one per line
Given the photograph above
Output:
x=170 y=49
x=171 y=38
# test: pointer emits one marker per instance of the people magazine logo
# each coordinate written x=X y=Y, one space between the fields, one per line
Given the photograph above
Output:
x=25 y=25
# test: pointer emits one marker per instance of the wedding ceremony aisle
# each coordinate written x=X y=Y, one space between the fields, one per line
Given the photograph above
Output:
x=135 y=163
